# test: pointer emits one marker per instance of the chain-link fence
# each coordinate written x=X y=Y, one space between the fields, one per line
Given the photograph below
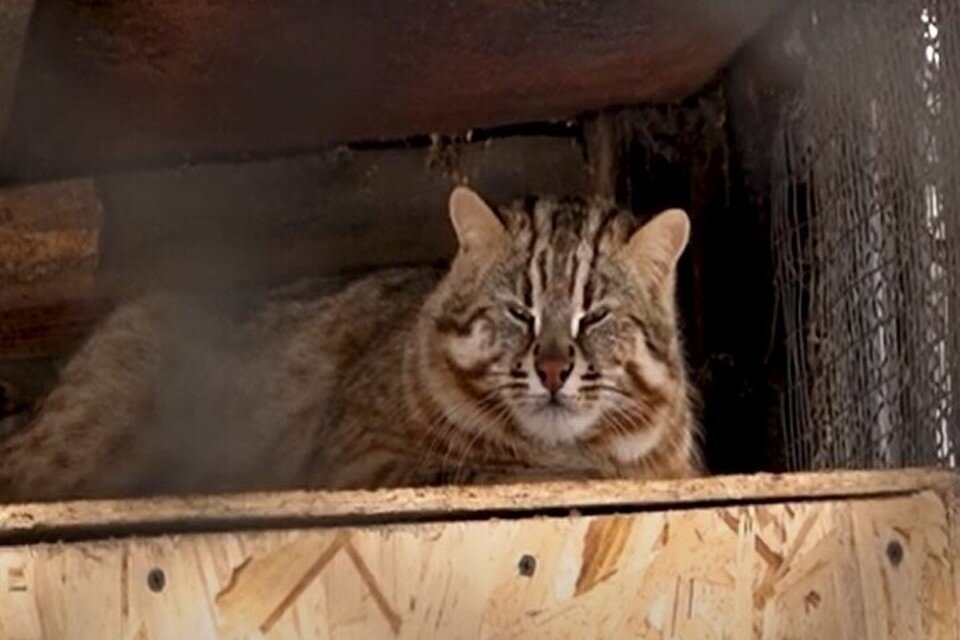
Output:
x=866 y=230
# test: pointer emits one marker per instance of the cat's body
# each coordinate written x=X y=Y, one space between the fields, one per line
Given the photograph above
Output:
x=541 y=353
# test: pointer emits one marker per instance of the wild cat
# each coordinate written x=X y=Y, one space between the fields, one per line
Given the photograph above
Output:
x=548 y=349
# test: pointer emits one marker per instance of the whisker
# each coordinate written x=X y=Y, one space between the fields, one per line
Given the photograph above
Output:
x=510 y=385
x=604 y=387
x=623 y=420
x=500 y=413
x=460 y=416
x=478 y=407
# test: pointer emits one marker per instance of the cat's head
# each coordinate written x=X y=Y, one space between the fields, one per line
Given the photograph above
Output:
x=558 y=317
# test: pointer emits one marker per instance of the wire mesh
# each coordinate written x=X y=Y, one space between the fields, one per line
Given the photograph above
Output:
x=866 y=233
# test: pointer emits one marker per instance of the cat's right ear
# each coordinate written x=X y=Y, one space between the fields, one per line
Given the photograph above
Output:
x=479 y=230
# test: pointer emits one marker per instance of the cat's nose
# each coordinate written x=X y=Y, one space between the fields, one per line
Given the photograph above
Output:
x=553 y=372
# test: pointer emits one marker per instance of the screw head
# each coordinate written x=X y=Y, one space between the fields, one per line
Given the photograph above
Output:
x=894 y=552
x=156 y=580
x=527 y=565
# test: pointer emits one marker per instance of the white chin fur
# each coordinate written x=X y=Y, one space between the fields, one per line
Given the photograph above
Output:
x=553 y=425
x=634 y=446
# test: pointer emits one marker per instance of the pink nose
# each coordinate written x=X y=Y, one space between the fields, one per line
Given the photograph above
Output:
x=554 y=372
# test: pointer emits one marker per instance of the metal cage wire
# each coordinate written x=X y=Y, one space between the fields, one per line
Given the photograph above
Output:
x=866 y=232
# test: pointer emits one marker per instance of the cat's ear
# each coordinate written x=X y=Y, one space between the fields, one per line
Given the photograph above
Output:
x=478 y=228
x=658 y=244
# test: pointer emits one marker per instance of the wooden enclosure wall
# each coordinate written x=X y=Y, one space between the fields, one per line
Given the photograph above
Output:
x=789 y=558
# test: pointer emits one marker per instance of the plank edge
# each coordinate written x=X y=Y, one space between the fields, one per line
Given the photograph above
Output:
x=90 y=519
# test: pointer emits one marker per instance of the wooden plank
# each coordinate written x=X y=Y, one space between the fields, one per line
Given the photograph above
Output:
x=217 y=227
x=167 y=79
x=85 y=518
x=48 y=231
x=14 y=18
x=857 y=569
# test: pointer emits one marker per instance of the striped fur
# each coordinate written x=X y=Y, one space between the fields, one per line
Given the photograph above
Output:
x=404 y=377
x=565 y=278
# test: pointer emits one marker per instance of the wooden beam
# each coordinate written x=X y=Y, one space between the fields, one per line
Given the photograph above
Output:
x=216 y=227
x=119 y=84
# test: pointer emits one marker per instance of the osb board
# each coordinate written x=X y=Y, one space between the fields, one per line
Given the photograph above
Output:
x=86 y=518
x=860 y=569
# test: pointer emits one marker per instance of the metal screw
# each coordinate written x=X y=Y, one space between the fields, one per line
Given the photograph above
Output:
x=527 y=565
x=894 y=552
x=156 y=580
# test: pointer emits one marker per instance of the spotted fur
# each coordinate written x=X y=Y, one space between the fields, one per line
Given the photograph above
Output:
x=404 y=377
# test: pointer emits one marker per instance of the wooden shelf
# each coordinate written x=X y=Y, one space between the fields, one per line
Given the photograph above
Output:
x=845 y=555
x=171 y=514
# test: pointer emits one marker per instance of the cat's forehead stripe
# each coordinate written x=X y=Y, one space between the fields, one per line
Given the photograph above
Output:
x=566 y=240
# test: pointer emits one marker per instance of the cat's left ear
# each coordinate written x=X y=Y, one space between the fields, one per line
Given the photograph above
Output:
x=658 y=244
x=478 y=228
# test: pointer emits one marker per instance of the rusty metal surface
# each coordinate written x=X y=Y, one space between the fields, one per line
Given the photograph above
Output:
x=136 y=81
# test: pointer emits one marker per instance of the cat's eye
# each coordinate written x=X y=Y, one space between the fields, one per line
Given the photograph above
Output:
x=520 y=314
x=593 y=317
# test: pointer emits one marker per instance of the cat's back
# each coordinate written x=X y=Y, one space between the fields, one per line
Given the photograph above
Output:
x=334 y=318
x=147 y=403
x=343 y=318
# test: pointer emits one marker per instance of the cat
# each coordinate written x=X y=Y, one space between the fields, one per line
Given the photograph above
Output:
x=548 y=349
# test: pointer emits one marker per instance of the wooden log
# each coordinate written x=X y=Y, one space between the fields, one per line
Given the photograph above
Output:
x=49 y=253
x=870 y=566
x=217 y=227
x=48 y=231
x=161 y=79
